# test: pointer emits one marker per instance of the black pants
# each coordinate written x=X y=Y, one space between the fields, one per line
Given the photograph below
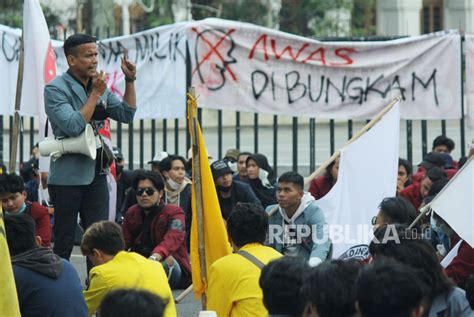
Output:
x=91 y=202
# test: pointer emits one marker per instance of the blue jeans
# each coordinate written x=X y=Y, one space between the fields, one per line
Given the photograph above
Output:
x=174 y=273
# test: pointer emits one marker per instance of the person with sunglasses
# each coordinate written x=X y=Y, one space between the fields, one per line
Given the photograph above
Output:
x=157 y=230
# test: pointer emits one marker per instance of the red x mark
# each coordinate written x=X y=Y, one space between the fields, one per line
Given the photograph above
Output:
x=113 y=83
x=213 y=50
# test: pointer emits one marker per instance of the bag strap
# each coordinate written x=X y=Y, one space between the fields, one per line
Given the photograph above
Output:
x=251 y=258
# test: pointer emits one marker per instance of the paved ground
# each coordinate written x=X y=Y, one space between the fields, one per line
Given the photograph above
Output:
x=190 y=307
x=187 y=308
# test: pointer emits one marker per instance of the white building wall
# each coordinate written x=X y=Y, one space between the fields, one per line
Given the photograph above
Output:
x=398 y=17
x=459 y=14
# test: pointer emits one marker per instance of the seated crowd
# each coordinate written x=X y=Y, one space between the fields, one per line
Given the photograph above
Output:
x=141 y=257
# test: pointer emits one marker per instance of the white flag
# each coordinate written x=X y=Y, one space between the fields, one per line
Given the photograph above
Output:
x=367 y=174
x=39 y=66
x=455 y=203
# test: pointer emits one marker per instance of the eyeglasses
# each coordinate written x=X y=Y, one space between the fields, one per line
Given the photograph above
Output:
x=374 y=220
x=148 y=190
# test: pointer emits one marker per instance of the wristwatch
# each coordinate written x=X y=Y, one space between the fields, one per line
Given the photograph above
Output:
x=154 y=258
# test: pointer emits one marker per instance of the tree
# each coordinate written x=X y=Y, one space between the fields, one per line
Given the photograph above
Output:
x=11 y=14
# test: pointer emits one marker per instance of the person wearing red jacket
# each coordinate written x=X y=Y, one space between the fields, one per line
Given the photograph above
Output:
x=321 y=185
x=417 y=191
x=461 y=266
x=14 y=201
x=157 y=230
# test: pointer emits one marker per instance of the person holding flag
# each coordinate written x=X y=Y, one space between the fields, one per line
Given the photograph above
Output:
x=80 y=96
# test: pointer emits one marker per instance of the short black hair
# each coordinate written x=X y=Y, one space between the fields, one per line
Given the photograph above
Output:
x=11 y=183
x=74 y=41
x=21 y=233
x=292 y=177
x=329 y=287
x=166 y=163
x=247 y=223
x=435 y=174
x=406 y=164
x=281 y=282
x=388 y=288
x=444 y=140
x=243 y=153
x=153 y=177
x=132 y=302
x=437 y=186
x=398 y=210
x=106 y=236
x=410 y=249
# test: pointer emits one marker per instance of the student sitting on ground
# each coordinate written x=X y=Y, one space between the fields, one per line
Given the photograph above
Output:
x=104 y=246
x=14 y=202
x=46 y=284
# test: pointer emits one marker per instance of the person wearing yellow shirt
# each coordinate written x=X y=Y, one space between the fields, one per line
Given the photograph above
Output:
x=233 y=288
x=104 y=246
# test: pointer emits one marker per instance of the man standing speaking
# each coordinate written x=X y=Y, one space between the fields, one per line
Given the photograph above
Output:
x=77 y=183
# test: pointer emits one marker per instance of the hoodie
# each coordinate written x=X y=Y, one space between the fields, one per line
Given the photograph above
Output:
x=290 y=237
x=47 y=285
x=40 y=260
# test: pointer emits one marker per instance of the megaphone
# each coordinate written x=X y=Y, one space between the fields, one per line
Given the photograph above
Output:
x=82 y=144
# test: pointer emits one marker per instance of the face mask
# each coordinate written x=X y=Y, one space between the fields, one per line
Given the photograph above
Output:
x=263 y=174
x=232 y=166
x=173 y=184
x=224 y=189
x=20 y=211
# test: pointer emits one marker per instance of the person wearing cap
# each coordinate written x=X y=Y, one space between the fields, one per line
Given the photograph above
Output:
x=155 y=162
x=430 y=160
x=77 y=183
x=419 y=190
x=231 y=157
x=229 y=191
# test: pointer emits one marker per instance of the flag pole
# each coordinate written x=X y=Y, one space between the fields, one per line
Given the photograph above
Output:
x=355 y=137
x=198 y=186
x=427 y=208
x=16 y=122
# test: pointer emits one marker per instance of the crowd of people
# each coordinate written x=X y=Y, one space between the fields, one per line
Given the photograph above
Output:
x=134 y=262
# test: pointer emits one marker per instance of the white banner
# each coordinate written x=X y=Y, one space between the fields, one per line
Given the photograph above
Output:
x=160 y=55
x=469 y=42
x=240 y=66
x=455 y=202
x=367 y=174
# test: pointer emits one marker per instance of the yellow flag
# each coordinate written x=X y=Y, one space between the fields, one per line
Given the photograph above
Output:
x=215 y=241
x=8 y=297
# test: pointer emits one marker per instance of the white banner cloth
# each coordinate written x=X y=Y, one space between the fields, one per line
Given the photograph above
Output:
x=240 y=66
x=367 y=174
x=455 y=203
x=160 y=55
